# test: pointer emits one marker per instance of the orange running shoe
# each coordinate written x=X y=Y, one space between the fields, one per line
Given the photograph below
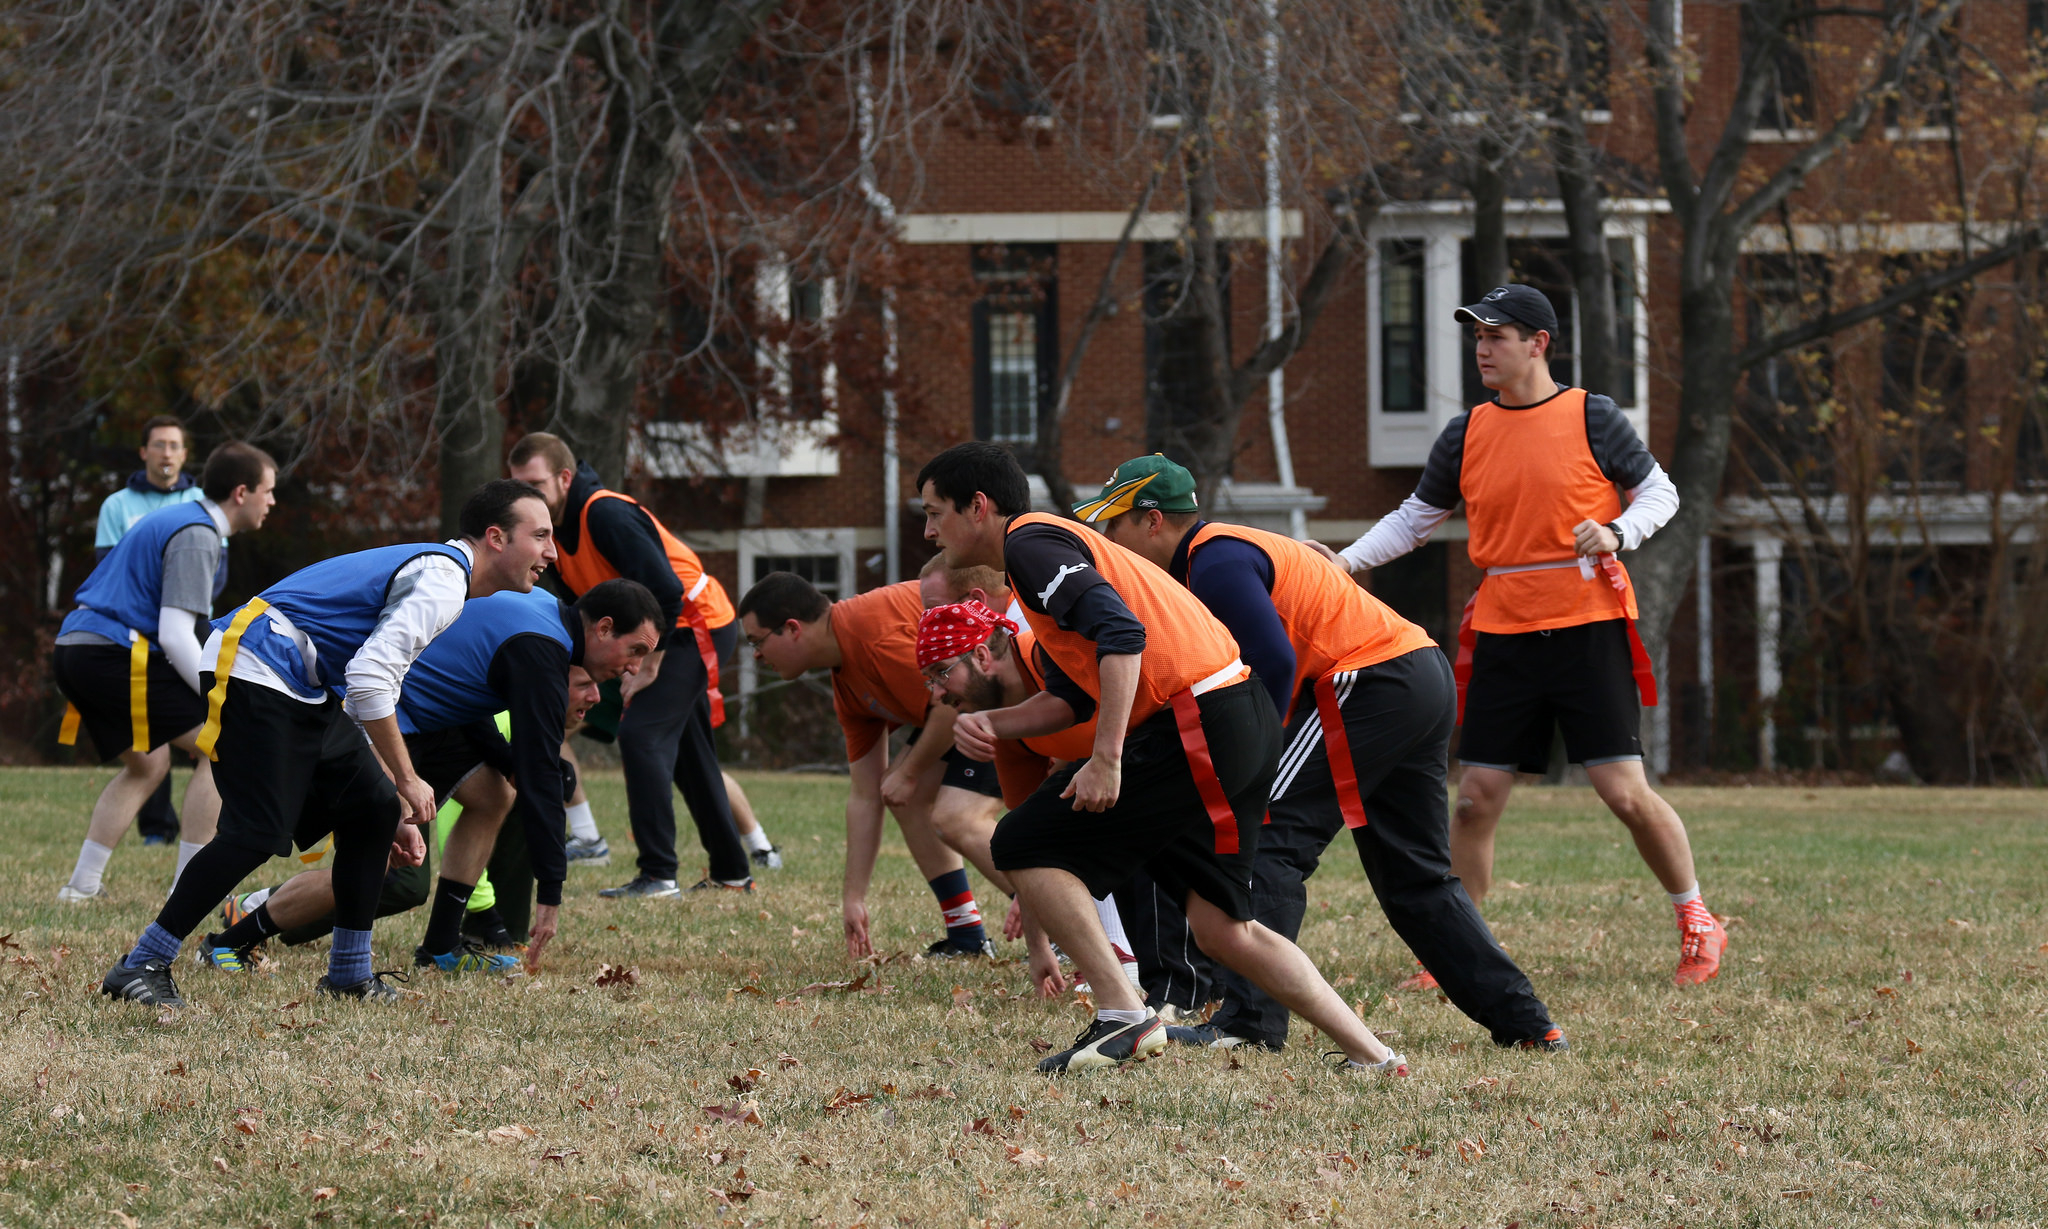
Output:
x=1699 y=955
x=1422 y=980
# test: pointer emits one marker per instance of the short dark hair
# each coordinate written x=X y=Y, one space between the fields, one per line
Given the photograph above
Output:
x=541 y=444
x=159 y=422
x=1179 y=520
x=627 y=603
x=779 y=597
x=492 y=504
x=960 y=471
x=234 y=464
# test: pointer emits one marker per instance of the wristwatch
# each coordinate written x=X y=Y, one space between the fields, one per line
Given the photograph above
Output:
x=1614 y=527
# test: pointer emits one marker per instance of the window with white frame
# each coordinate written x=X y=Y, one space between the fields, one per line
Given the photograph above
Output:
x=825 y=557
x=1419 y=270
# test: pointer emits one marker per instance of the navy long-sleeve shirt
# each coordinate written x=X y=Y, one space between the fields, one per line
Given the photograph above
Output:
x=1234 y=579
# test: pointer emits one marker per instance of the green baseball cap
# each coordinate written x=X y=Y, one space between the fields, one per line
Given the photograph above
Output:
x=1141 y=484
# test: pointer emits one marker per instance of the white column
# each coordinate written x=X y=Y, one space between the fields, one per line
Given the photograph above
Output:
x=1769 y=679
x=1443 y=356
x=892 y=463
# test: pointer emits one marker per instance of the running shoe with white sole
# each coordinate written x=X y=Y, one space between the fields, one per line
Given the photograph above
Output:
x=1108 y=1043
x=769 y=859
x=588 y=853
x=1212 y=1037
x=1551 y=1042
x=643 y=888
x=68 y=895
x=946 y=949
x=148 y=983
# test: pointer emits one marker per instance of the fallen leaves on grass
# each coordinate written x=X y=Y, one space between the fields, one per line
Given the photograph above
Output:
x=614 y=975
x=747 y=1112
x=323 y=1193
x=842 y=1100
x=1026 y=1158
x=745 y=1081
x=127 y=1221
x=1470 y=1150
x=510 y=1133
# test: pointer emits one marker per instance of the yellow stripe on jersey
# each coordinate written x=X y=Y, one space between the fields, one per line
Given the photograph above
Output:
x=230 y=642
x=138 y=690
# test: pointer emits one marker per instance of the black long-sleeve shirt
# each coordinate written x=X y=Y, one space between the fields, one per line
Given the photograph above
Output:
x=625 y=534
x=530 y=673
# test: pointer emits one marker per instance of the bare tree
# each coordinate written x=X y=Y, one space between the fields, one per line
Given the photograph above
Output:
x=1717 y=202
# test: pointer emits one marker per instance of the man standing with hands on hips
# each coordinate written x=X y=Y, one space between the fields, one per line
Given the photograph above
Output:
x=1549 y=639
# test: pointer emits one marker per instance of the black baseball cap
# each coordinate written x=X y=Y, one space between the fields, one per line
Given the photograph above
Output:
x=1522 y=304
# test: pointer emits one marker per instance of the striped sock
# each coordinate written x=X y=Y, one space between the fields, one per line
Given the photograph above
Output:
x=963 y=916
x=349 y=962
x=155 y=943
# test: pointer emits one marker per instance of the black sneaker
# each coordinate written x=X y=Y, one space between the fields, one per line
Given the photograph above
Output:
x=1106 y=1043
x=487 y=927
x=946 y=949
x=708 y=884
x=769 y=859
x=148 y=983
x=1212 y=1037
x=372 y=989
x=643 y=888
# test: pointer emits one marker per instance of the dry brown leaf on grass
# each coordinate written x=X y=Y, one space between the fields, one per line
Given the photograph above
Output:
x=979 y=1126
x=842 y=1100
x=510 y=1133
x=932 y=1092
x=322 y=1193
x=1025 y=1157
x=786 y=1061
x=745 y=1081
x=614 y=975
x=1470 y=1150
x=748 y=1112
x=127 y=1221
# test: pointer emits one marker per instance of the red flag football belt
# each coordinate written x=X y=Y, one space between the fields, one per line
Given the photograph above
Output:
x=1337 y=746
x=694 y=615
x=1468 y=638
x=1187 y=716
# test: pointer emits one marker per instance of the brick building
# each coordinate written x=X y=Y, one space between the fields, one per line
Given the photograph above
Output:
x=1011 y=245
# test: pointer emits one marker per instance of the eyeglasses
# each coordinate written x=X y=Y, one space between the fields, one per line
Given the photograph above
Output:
x=936 y=674
x=755 y=642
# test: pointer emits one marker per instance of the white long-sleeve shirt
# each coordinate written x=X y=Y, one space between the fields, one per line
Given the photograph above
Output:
x=425 y=597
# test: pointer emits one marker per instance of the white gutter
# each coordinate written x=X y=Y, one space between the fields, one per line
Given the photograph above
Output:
x=892 y=461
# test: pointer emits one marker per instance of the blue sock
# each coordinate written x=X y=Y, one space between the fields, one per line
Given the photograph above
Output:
x=155 y=943
x=963 y=917
x=349 y=962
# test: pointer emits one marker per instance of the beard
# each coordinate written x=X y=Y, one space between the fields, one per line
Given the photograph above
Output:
x=983 y=693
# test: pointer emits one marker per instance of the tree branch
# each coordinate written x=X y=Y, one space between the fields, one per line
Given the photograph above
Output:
x=2018 y=244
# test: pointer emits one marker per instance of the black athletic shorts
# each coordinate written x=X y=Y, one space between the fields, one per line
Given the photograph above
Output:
x=291 y=772
x=963 y=773
x=1580 y=680
x=444 y=759
x=1159 y=824
x=94 y=678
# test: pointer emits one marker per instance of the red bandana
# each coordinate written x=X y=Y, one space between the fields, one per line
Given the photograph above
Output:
x=947 y=632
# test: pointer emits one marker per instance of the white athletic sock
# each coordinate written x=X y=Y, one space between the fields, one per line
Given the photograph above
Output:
x=254 y=900
x=757 y=840
x=92 y=863
x=1112 y=923
x=1121 y=1017
x=185 y=851
x=582 y=825
x=1686 y=897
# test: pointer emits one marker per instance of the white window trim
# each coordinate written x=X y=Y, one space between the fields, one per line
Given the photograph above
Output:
x=754 y=543
x=1398 y=439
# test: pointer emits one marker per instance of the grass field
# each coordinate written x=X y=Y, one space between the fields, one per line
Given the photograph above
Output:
x=1871 y=1054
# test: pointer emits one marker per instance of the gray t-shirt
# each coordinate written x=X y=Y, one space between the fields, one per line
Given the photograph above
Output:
x=190 y=559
